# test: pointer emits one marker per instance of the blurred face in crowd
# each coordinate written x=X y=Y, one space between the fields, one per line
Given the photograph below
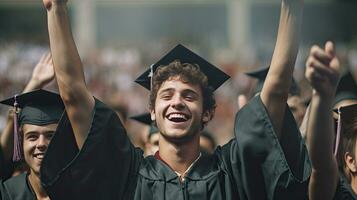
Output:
x=35 y=142
x=152 y=145
x=178 y=110
x=297 y=107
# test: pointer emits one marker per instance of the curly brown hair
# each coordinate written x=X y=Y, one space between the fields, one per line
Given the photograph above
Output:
x=188 y=73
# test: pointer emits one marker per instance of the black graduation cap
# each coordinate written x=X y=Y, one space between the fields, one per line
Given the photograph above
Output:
x=215 y=76
x=145 y=118
x=39 y=107
x=346 y=116
x=346 y=88
x=261 y=74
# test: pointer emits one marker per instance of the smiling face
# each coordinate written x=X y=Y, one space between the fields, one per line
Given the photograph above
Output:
x=35 y=142
x=178 y=110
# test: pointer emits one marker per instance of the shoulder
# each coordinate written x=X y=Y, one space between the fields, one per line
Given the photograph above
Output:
x=344 y=190
x=17 y=187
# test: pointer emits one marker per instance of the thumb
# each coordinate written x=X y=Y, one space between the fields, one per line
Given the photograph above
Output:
x=330 y=49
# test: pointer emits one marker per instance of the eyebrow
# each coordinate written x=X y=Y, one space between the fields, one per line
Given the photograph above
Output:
x=35 y=132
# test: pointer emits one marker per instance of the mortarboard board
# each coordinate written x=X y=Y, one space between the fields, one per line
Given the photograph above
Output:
x=346 y=116
x=261 y=74
x=39 y=107
x=145 y=118
x=346 y=88
x=215 y=76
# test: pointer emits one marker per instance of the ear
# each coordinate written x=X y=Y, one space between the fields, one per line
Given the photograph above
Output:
x=207 y=116
x=350 y=162
x=152 y=114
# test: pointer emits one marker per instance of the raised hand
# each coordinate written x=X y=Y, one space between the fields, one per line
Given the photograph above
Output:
x=322 y=69
x=43 y=72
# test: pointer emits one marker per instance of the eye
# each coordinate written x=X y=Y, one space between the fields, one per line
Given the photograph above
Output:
x=49 y=136
x=190 y=97
x=31 y=137
x=166 y=96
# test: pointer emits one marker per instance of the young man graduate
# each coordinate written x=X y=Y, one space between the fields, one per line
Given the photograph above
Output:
x=37 y=122
x=266 y=160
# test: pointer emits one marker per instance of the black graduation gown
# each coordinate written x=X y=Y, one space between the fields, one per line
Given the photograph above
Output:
x=16 y=188
x=344 y=190
x=254 y=165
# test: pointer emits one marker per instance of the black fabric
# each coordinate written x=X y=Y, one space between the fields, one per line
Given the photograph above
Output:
x=6 y=167
x=344 y=190
x=215 y=76
x=252 y=166
x=16 y=188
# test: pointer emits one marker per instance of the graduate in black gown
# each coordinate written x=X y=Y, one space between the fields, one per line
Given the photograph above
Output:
x=346 y=109
x=42 y=75
x=322 y=71
x=37 y=121
x=267 y=158
x=333 y=160
x=347 y=128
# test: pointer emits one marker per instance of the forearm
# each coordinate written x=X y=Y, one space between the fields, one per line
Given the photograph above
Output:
x=320 y=140
x=286 y=47
x=7 y=138
x=78 y=101
x=67 y=63
x=320 y=133
x=277 y=84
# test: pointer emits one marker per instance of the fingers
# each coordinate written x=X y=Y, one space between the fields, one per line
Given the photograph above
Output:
x=318 y=66
x=320 y=54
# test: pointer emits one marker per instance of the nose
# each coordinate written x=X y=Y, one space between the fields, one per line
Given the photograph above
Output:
x=42 y=143
x=177 y=102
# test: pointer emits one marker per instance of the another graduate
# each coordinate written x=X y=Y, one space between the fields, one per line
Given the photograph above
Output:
x=295 y=102
x=266 y=160
x=37 y=122
x=346 y=117
x=42 y=75
x=152 y=142
x=322 y=71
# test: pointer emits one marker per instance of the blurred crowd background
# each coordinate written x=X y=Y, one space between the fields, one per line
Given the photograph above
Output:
x=119 y=39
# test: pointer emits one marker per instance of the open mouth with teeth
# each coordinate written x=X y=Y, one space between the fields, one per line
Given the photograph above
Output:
x=39 y=155
x=177 y=117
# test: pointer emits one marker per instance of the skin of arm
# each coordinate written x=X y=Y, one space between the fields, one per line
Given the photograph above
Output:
x=322 y=71
x=69 y=70
x=276 y=87
x=42 y=74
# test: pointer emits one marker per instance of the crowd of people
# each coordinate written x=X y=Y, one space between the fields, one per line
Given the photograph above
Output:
x=282 y=139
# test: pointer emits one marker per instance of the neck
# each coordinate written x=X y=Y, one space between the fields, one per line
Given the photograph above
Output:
x=35 y=183
x=354 y=184
x=179 y=156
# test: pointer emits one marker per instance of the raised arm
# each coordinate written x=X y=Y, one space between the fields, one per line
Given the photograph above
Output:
x=276 y=87
x=42 y=75
x=78 y=101
x=322 y=71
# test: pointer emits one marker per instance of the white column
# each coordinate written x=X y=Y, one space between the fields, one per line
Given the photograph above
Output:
x=239 y=12
x=84 y=26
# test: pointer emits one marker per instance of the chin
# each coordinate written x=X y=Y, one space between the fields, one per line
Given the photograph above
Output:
x=178 y=137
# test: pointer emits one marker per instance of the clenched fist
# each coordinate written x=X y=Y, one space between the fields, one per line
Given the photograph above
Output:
x=323 y=69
